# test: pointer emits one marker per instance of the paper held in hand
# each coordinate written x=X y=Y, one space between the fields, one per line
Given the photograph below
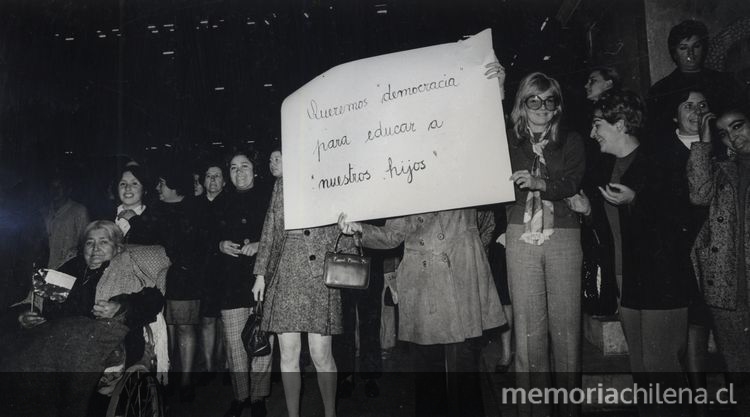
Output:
x=53 y=285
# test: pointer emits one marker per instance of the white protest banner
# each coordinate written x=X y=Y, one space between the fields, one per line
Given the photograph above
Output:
x=397 y=134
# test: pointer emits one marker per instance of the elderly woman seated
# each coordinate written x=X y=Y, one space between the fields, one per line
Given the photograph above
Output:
x=117 y=291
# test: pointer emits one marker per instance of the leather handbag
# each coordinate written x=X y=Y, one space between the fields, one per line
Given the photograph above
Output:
x=343 y=270
x=598 y=282
x=254 y=339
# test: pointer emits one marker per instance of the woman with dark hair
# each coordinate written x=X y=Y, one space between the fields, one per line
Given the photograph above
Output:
x=178 y=233
x=289 y=280
x=720 y=255
x=688 y=47
x=240 y=222
x=600 y=288
x=685 y=221
x=137 y=222
x=601 y=79
x=198 y=188
x=210 y=201
x=630 y=205
x=274 y=163
x=543 y=239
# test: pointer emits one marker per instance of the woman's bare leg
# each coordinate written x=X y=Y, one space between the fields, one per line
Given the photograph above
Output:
x=322 y=356
x=290 y=345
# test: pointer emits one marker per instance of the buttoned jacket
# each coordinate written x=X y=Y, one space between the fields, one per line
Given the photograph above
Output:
x=445 y=288
x=308 y=258
x=714 y=254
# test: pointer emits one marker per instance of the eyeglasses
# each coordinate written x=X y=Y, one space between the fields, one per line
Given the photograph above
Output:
x=701 y=107
x=536 y=102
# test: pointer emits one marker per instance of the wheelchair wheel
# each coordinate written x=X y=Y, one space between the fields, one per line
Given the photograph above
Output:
x=137 y=394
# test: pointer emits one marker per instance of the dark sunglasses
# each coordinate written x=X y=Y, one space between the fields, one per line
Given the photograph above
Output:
x=536 y=102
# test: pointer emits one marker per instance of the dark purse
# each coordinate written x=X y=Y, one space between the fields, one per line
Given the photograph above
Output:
x=343 y=270
x=598 y=282
x=254 y=339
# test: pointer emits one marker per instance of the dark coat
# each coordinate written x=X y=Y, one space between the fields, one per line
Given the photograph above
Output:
x=565 y=165
x=650 y=280
x=137 y=309
x=685 y=218
x=684 y=221
x=179 y=234
x=240 y=220
x=211 y=268
x=144 y=228
x=715 y=184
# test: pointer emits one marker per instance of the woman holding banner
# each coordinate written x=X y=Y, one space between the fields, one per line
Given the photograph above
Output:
x=447 y=298
x=543 y=240
x=289 y=282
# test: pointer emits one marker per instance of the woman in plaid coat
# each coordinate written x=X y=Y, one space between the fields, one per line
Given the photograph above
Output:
x=289 y=279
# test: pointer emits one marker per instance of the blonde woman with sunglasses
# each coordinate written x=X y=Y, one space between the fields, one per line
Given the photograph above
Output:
x=543 y=241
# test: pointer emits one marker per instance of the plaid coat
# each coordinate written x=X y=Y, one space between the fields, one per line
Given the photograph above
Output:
x=715 y=184
x=297 y=299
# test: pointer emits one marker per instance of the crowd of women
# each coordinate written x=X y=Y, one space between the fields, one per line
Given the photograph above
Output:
x=654 y=201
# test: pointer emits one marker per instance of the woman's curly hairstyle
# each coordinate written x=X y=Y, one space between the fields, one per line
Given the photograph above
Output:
x=623 y=105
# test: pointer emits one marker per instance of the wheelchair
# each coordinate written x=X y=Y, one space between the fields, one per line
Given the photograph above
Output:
x=138 y=393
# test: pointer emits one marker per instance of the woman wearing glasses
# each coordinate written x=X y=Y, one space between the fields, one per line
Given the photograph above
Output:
x=543 y=239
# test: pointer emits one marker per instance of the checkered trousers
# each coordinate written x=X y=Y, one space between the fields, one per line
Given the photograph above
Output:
x=243 y=385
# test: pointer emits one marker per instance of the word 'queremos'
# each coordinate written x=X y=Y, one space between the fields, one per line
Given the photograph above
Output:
x=317 y=113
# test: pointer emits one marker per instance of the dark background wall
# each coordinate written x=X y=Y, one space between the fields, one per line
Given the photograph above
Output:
x=82 y=79
x=88 y=83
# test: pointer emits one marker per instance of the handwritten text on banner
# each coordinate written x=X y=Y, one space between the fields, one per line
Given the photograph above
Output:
x=397 y=134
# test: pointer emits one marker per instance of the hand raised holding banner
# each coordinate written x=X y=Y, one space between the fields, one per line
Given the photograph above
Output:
x=496 y=70
x=348 y=228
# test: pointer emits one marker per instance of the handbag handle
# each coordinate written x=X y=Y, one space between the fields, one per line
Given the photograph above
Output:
x=357 y=237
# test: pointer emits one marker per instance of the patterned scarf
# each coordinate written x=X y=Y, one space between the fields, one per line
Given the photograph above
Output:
x=538 y=216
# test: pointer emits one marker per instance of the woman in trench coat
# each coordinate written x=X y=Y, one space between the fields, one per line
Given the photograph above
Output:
x=447 y=297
